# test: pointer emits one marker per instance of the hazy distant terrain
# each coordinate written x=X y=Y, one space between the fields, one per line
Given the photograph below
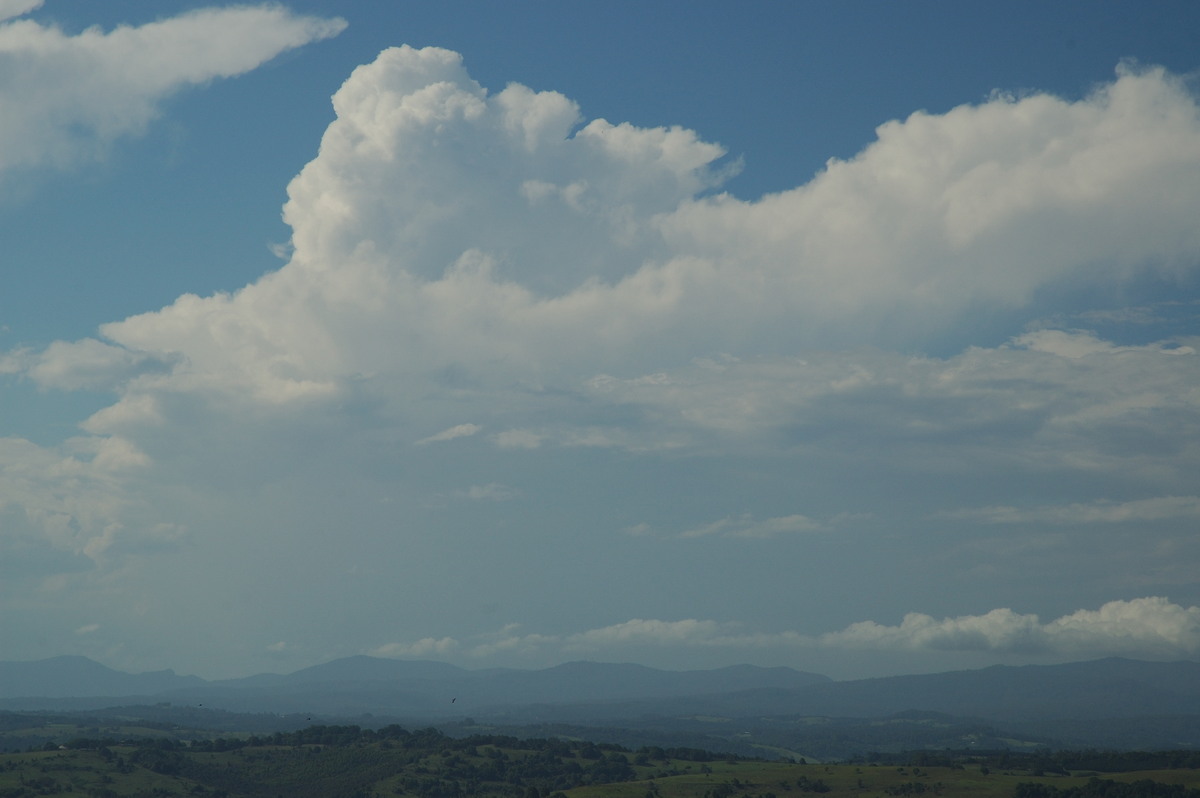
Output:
x=1110 y=703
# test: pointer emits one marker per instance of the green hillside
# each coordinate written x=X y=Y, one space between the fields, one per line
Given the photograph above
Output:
x=346 y=761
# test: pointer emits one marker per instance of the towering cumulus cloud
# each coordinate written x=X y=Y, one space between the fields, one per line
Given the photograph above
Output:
x=486 y=289
x=441 y=224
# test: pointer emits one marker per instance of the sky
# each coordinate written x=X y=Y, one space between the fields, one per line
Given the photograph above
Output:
x=857 y=337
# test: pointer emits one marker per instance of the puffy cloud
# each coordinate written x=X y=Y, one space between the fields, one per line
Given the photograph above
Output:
x=569 y=290
x=1151 y=627
x=73 y=94
x=85 y=364
x=924 y=221
x=76 y=502
x=574 y=249
x=15 y=8
x=1141 y=626
x=640 y=631
x=1000 y=629
x=1146 y=627
x=577 y=290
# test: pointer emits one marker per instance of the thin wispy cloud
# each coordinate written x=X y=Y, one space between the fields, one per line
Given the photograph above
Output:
x=457 y=431
x=746 y=526
x=1102 y=512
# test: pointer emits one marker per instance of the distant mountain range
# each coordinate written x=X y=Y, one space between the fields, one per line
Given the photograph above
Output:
x=1148 y=703
x=369 y=684
x=79 y=677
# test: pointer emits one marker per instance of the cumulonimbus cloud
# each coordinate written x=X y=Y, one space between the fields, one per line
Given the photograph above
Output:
x=585 y=262
x=398 y=238
x=579 y=286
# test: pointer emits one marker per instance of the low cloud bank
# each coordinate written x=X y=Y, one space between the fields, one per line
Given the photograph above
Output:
x=1151 y=628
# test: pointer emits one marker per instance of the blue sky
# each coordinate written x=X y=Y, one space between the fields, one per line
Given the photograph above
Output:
x=855 y=337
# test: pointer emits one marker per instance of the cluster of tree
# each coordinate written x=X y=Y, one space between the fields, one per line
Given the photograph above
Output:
x=1127 y=761
x=1106 y=788
x=1040 y=762
x=734 y=787
x=805 y=784
x=914 y=788
x=329 y=760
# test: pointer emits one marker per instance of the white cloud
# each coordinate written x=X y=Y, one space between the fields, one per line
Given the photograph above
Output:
x=493 y=491
x=397 y=238
x=76 y=500
x=507 y=642
x=15 y=8
x=639 y=631
x=577 y=295
x=746 y=526
x=925 y=219
x=457 y=431
x=1102 y=512
x=86 y=364
x=589 y=302
x=1125 y=410
x=425 y=647
x=1150 y=628
x=1000 y=629
x=1144 y=627
x=490 y=492
x=1075 y=344
x=75 y=94
x=689 y=633
x=615 y=641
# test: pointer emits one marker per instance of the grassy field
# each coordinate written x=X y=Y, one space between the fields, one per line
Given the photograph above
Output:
x=433 y=766
x=80 y=773
x=741 y=778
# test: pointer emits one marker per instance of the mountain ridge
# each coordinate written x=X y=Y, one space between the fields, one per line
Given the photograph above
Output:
x=69 y=676
x=590 y=692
